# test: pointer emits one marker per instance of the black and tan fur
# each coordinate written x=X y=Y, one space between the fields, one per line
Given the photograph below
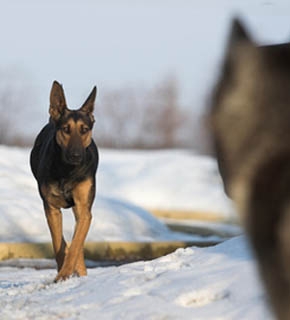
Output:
x=250 y=119
x=64 y=161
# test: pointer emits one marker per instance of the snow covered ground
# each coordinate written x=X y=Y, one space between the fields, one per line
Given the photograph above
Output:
x=128 y=184
x=210 y=283
x=171 y=180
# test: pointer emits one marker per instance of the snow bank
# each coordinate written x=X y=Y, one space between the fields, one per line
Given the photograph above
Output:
x=174 y=180
x=127 y=181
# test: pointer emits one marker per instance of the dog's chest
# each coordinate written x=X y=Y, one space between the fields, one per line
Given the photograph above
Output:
x=60 y=194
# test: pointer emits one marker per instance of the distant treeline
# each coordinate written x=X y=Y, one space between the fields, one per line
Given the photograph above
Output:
x=138 y=118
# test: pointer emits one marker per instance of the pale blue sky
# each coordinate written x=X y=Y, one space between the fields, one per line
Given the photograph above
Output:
x=126 y=43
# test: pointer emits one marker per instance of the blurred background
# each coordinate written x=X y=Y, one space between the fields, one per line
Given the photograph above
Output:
x=154 y=63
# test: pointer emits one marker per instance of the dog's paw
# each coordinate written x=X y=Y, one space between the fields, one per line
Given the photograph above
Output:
x=63 y=275
x=80 y=270
x=60 y=278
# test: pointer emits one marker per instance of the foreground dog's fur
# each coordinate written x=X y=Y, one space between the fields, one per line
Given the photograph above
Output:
x=64 y=161
x=250 y=119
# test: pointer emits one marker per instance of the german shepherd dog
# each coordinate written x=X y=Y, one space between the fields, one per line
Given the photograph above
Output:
x=64 y=161
x=250 y=120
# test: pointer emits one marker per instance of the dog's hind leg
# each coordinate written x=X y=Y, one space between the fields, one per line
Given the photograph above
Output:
x=74 y=260
x=54 y=220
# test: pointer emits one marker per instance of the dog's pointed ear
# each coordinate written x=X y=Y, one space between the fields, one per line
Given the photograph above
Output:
x=57 y=101
x=238 y=42
x=88 y=105
x=238 y=33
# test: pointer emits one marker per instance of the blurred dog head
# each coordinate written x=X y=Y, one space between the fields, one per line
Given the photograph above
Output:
x=250 y=107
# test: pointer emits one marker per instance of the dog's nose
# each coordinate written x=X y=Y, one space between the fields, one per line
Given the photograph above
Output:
x=75 y=157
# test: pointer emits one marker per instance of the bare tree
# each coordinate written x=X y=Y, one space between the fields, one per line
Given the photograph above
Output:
x=5 y=118
x=135 y=118
x=164 y=115
x=15 y=97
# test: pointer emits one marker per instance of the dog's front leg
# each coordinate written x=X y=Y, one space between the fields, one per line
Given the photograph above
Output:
x=80 y=268
x=54 y=220
x=74 y=260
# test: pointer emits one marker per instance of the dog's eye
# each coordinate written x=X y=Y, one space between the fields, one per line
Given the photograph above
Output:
x=84 y=130
x=66 y=129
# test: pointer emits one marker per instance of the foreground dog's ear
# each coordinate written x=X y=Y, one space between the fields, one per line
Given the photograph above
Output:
x=57 y=101
x=88 y=106
x=238 y=33
x=239 y=41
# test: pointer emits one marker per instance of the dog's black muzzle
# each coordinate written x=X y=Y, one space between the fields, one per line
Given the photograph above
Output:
x=74 y=156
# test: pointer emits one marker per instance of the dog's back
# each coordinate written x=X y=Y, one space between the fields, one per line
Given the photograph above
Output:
x=250 y=120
